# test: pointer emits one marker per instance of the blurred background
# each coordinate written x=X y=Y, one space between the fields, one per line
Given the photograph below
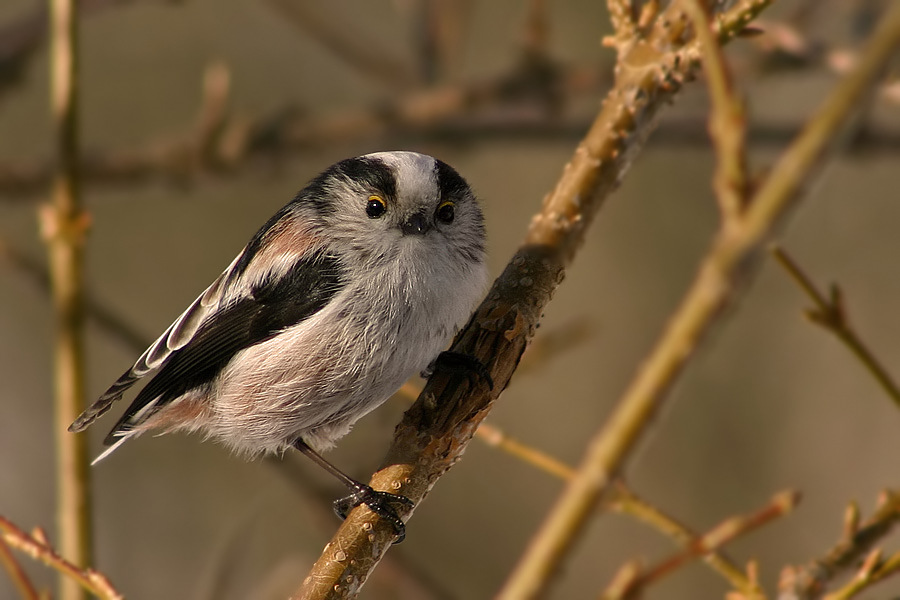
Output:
x=771 y=402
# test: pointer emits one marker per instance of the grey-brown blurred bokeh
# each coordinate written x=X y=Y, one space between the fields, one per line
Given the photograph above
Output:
x=770 y=403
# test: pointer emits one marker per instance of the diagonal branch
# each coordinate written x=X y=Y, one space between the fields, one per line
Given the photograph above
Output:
x=707 y=544
x=358 y=49
x=717 y=282
x=17 y=573
x=436 y=430
x=872 y=571
x=37 y=547
x=625 y=501
x=831 y=314
x=809 y=581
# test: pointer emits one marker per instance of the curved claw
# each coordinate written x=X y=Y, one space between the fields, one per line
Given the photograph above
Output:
x=379 y=503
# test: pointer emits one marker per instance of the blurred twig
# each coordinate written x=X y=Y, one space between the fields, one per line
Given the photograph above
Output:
x=708 y=543
x=551 y=344
x=21 y=38
x=436 y=430
x=95 y=310
x=64 y=225
x=627 y=502
x=831 y=314
x=37 y=547
x=786 y=45
x=873 y=570
x=365 y=53
x=727 y=124
x=443 y=114
x=537 y=27
x=543 y=348
x=810 y=581
x=439 y=35
x=717 y=282
x=497 y=438
x=16 y=573
x=519 y=102
x=525 y=102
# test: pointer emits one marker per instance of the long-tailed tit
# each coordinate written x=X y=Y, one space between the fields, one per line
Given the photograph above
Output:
x=351 y=288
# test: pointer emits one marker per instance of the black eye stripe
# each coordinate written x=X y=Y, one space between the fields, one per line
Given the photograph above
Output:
x=449 y=182
x=371 y=173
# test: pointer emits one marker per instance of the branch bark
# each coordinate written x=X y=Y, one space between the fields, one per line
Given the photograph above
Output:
x=437 y=429
x=718 y=281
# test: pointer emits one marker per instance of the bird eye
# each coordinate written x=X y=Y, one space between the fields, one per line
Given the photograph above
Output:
x=445 y=212
x=375 y=207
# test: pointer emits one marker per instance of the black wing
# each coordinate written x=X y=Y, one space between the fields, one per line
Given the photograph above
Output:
x=272 y=306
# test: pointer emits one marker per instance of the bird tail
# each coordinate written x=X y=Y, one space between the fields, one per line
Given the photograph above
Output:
x=122 y=438
x=104 y=402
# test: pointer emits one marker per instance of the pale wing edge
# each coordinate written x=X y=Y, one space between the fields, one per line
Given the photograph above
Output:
x=176 y=336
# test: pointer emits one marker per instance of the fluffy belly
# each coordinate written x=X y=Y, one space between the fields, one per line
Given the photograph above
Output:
x=303 y=384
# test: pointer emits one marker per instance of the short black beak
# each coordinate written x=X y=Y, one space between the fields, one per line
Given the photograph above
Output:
x=416 y=224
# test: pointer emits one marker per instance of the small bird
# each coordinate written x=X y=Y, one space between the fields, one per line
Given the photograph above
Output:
x=354 y=286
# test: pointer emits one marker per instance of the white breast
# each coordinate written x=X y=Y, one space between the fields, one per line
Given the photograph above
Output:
x=314 y=380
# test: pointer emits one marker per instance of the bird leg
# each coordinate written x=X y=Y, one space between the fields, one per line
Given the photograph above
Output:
x=360 y=493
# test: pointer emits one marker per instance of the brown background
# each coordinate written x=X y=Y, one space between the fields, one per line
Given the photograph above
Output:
x=770 y=402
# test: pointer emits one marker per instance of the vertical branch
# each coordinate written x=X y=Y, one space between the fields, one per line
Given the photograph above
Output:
x=63 y=224
x=727 y=123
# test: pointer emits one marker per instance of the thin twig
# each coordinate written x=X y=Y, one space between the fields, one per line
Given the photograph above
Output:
x=96 y=311
x=627 y=502
x=251 y=142
x=37 y=548
x=727 y=122
x=542 y=349
x=717 y=282
x=810 y=581
x=537 y=27
x=16 y=572
x=752 y=571
x=728 y=530
x=63 y=226
x=489 y=107
x=873 y=570
x=22 y=37
x=497 y=438
x=358 y=49
x=831 y=314
x=439 y=31
x=622 y=580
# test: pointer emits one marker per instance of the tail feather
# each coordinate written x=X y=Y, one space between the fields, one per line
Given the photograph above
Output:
x=127 y=424
x=122 y=438
x=104 y=402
